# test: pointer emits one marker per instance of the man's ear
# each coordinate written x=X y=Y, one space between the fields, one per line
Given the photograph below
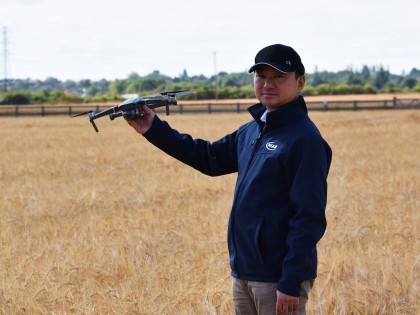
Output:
x=301 y=82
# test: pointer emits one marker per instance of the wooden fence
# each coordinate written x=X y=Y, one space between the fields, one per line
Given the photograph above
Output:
x=210 y=107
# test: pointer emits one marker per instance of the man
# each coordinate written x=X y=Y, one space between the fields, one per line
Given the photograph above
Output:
x=278 y=211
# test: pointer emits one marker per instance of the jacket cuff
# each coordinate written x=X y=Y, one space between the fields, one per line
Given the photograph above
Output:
x=291 y=289
x=154 y=129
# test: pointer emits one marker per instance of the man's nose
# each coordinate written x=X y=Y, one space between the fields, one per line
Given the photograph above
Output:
x=268 y=82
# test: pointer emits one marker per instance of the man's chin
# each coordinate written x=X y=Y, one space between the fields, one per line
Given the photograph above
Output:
x=269 y=101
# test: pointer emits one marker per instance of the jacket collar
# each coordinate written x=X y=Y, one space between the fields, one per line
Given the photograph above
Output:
x=285 y=115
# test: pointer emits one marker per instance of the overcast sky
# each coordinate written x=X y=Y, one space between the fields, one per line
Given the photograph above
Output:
x=95 y=39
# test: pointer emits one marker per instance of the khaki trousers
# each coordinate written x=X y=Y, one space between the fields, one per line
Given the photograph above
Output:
x=260 y=298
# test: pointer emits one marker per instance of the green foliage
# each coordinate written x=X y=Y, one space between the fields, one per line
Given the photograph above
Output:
x=381 y=78
x=40 y=97
x=339 y=89
x=416 y=89
x=368 y=80
x=71 y=98
x=117 y=87
x=236 y=92
x=409 y=82
x=309 y=91
x=369 y=89
x=15 y=98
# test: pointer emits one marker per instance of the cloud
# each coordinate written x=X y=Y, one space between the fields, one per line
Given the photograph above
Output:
x=22 y=2
x=104 y=38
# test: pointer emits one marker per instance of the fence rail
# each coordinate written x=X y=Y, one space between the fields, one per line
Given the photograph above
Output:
x=210 y=107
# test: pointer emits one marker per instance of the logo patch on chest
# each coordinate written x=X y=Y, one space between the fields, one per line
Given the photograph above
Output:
x=271 y=146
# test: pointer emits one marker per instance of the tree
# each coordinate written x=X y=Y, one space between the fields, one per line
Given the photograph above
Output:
x=365 y=74
x=52 y=83
x=409 y=82
x=117 y=87
x=133 y=76
x=381 y=78
x=354 y=78
x=15 y=98
x=184 y=76
x=86 y=83
x=318 y=78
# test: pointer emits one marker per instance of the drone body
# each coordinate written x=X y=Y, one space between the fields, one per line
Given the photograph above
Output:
x=131 y=108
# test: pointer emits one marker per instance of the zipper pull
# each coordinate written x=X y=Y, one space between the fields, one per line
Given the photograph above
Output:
x=255 y=140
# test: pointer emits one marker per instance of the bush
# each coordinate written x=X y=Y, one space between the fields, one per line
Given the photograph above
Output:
x=71 y=98
x=369 y=89
x=309 y=90
x=39 y=97
x=342 y=89
x=15 y=98
x=324 y=89
x=416 y=89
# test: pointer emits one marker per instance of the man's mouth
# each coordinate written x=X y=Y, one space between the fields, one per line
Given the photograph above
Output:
x=269 y=94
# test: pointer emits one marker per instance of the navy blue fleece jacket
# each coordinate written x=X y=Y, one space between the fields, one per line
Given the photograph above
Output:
x=278 y=211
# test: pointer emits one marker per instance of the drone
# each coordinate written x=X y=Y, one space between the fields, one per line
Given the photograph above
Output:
x=131 y=108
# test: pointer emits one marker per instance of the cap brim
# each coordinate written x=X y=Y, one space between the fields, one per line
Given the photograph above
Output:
x=272 y=65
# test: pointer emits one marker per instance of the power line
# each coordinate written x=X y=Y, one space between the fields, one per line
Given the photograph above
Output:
x=5 y=53
x=216 y=77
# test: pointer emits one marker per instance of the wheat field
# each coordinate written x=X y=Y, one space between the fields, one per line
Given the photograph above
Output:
x=107 y=224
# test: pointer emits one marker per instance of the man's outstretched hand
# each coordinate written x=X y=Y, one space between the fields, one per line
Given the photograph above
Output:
x=144 y=122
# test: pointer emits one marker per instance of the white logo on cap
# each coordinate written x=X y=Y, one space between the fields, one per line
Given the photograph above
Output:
x=271 y=146
x=288 y=63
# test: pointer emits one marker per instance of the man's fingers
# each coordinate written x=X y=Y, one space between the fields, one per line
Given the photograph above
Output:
x=286 y=303
x=146 y=110
x=287 y=307
x=293 y=307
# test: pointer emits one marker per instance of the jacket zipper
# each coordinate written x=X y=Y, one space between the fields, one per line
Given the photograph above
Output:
x=254 y=143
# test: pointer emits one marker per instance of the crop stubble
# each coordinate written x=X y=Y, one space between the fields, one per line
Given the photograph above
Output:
x=105 y=223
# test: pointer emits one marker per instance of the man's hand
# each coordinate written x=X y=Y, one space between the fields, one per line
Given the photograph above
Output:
x=286 y=303
x=143 y=123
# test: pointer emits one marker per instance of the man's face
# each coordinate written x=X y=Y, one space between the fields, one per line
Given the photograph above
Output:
x=274 y=88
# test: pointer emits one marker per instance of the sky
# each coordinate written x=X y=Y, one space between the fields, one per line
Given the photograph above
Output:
x=110 y=39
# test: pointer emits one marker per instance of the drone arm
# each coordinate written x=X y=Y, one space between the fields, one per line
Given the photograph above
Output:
x=93 y=116
x=94 y=126
x=132 y=109
x=105 y=112
x=166 y=101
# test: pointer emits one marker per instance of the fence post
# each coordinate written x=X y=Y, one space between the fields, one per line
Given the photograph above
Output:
x=238 y=107
x=209 y=108
x=394 y=101
x=16 y=110
x=42 y=111
x=70 y=111
x=385 y=104
x=355 y=105
x=181 y=109
x=325 y=105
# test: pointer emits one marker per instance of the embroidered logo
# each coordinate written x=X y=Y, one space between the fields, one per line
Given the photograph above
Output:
x=288 y=63
x=271 y=146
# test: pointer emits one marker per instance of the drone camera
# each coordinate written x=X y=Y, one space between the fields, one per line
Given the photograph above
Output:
x=132 y=114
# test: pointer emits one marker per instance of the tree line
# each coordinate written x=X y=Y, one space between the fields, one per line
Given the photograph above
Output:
x=369 y=80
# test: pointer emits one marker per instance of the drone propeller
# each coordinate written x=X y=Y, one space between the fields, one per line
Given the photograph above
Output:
x=81 y=114
x=172 y=92
x=183 y=93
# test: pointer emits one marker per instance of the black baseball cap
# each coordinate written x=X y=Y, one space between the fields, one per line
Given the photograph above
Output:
x=282 y=58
